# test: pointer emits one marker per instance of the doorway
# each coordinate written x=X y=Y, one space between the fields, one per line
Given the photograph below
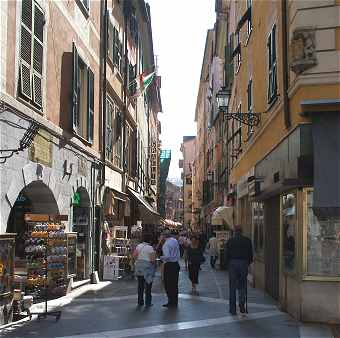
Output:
x=272 y=245
x=81 y=225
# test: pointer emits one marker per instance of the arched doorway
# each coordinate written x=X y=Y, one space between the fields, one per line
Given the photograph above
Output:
x=81 y=225
x=34 y=198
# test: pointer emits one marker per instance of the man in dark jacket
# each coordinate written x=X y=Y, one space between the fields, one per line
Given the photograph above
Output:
x=238 y=255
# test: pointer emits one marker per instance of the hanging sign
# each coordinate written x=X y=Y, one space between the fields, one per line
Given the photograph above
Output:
x=154 y=163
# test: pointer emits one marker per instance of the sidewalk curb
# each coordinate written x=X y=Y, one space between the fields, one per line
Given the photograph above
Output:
x=59 y=302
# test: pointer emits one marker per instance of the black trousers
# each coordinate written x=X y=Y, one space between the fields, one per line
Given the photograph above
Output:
x=238 y=271
x=171 y=273
x=213 y=260
x=142 y=284
x=193 y=272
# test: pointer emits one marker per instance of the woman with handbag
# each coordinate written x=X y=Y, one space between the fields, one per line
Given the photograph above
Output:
x=195 y=259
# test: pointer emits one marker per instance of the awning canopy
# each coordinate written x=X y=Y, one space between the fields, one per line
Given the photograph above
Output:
x=223 y=215
x=141 y=200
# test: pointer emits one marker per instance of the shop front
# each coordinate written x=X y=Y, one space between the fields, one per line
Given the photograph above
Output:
x=42 y=181
x=295 y=223
x=81 y=225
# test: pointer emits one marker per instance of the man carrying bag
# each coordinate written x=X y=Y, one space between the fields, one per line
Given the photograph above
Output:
x=238 y=253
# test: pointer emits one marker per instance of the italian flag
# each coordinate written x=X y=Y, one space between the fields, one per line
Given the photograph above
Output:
x=143 y=82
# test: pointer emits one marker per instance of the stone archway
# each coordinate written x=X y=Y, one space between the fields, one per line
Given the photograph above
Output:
x=32 y=172
x=35 y=198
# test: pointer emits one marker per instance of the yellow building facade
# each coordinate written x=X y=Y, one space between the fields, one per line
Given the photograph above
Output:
x=283 y=67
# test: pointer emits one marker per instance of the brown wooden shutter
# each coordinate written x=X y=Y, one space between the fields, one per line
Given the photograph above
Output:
x=38 y=49
x=75 y=86
x=26 y=49
x=90 y=105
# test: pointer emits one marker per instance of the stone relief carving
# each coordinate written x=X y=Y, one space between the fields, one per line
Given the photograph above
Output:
x=303 y=50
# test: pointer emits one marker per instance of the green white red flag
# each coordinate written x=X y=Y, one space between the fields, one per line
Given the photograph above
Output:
x=143 y=82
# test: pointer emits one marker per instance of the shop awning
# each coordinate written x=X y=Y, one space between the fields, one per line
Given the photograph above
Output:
x=223 y=215
x=140 y=199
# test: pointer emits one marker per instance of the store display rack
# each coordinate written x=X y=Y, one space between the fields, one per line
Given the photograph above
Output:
x=46 y=251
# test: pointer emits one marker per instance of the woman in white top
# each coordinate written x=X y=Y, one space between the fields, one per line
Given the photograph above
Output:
x=145 y=269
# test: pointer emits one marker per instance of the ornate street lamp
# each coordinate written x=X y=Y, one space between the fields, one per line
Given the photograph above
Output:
x=222 y=99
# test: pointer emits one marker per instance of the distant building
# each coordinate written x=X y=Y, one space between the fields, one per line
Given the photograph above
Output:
x=174 y=202
x=188 y=151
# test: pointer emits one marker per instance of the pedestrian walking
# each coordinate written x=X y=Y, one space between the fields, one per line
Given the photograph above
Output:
x=195 y=259
x=185 y=255
x=213 y=249
x=145 y=268
x=171 y=257
x=238 y=256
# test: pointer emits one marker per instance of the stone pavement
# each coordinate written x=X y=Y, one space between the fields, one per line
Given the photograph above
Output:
x=112 y=312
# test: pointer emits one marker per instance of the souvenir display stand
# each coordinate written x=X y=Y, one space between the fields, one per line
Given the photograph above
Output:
x=7 y=248
x=71 y=254
x=118 y=264
x=46 y=251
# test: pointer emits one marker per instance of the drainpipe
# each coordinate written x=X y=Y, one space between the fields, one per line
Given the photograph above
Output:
x=103 y=87
x=126 y=9
x=285 y=69
x=102 y=109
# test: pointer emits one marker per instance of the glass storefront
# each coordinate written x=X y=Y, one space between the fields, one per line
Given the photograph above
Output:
x=289 y=226
x=323 y=243
x=258 y=227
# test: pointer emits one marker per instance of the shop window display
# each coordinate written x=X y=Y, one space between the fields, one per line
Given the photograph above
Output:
x=323 y=243
x=7 y=243
x=289 y=231
x=258 y=223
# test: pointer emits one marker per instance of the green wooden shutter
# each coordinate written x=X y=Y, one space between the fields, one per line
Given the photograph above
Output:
x=134 y=153
x=90 y=105
x=108 y=134
x=26 y=49
x=38 y=50
x=75 y=87
x=110 y=40
x=115 y=43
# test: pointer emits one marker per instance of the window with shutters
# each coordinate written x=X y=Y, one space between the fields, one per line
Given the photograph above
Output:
x=132 y=79
x=272 y=66
x=115 y=47
x=234 y=142
x=249 y=22
x=229 y=64
x=113 y=136
x=83 y=98
x=131 y=151
x=133 y=25
x=250 y=107
x=86 y=4
x=238 y=54
x=31 y=53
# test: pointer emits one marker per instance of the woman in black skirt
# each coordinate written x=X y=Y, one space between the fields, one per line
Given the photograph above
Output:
x=195 y=259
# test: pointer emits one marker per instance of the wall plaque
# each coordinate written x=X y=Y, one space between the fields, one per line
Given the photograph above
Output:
x=41 y=148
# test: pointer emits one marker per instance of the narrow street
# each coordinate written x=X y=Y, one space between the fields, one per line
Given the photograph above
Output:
x=112 y=312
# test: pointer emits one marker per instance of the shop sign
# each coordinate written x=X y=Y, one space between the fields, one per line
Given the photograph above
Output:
x=76 y=199
x=82 y=166
x=154 y=163
x=40 y=150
